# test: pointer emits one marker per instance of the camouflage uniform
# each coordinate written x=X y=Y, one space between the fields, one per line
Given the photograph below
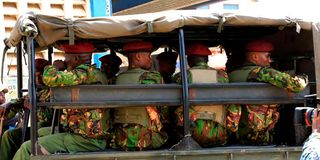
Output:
x=208 y=129
x=254 y=123
x=87 y=129
x=137 y=127
x=311 y=149
x=83 y=74
x=12 y=139
x=91 y=123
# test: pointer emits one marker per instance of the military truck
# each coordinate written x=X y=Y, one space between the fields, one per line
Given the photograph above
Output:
x=295 y=40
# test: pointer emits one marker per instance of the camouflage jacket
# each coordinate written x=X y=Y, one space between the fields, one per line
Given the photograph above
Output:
x=311 y=149
x=90 y=123
x=44 y=114
x=83 y=74
x=254 y=123
x=254 y=73
x=206 y=132
x=131 y=136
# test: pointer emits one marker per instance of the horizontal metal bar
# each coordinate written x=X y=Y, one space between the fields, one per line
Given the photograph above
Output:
x=241 y=151
x=126 y=95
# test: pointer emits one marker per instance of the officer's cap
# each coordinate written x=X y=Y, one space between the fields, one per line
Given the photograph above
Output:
x=197 y=49
x=259 y=46
x=78 y=47
x=138 y=46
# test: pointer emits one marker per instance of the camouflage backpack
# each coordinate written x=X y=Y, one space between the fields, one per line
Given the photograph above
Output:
x=208 y=122
x=138 y=127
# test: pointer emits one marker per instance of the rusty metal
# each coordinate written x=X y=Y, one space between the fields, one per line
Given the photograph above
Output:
x=107 y=96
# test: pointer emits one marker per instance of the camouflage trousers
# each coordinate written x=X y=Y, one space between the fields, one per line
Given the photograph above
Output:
x=137 y=137
x=253 y=124
x=207 y=133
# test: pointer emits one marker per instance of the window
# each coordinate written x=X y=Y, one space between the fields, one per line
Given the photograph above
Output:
x=203 y=7
x=231 y=6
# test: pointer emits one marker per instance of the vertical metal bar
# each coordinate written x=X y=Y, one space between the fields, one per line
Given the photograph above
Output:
x=50 y=51
x=32 y=94
x=316 y=48
x=19 y=70
x=53 y=124
x=19 y=90
x=184 y=78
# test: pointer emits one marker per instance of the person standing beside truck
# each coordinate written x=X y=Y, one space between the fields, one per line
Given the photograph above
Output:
x=208 y=127
x=311 y=147
x=138 y=127
x=254 y=124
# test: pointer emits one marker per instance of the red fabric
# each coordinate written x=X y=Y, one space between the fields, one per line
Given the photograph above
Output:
x=78 y=47
x=197 y=49
x=259 y=46
x=138 y=46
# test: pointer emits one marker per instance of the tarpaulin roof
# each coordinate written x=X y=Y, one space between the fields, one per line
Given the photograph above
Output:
x=49 y=29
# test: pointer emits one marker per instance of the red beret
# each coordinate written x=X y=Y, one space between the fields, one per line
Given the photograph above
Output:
x=110 y=59
x=78 y=47
x=138 y=46
x=197 y=49
x=259 y=46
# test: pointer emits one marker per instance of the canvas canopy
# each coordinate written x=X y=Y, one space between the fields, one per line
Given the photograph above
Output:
x=48 y=29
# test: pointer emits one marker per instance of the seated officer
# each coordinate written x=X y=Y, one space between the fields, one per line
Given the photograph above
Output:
x=110 y=66
x=253 y=124
x=209 y=121
x=86 y=129
x=12 y=139
x=138 y=127
x=167 y=65
x=78 y=65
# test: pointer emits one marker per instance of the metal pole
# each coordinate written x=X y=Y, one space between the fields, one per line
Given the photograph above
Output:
x=32 y=94
x=50 y=51
x=184 y=78
x=187 y=142
x=19 y=70
x=20 y=91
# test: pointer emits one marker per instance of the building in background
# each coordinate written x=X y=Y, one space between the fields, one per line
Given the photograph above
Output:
x=10 y=10
x=124 y=7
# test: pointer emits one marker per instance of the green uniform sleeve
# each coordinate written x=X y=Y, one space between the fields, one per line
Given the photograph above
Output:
x=177 y=78
x=82 y=74
x=92 y=75
x=222 y=76
x=277 y=78
x=52 y=77
x=150 y=78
